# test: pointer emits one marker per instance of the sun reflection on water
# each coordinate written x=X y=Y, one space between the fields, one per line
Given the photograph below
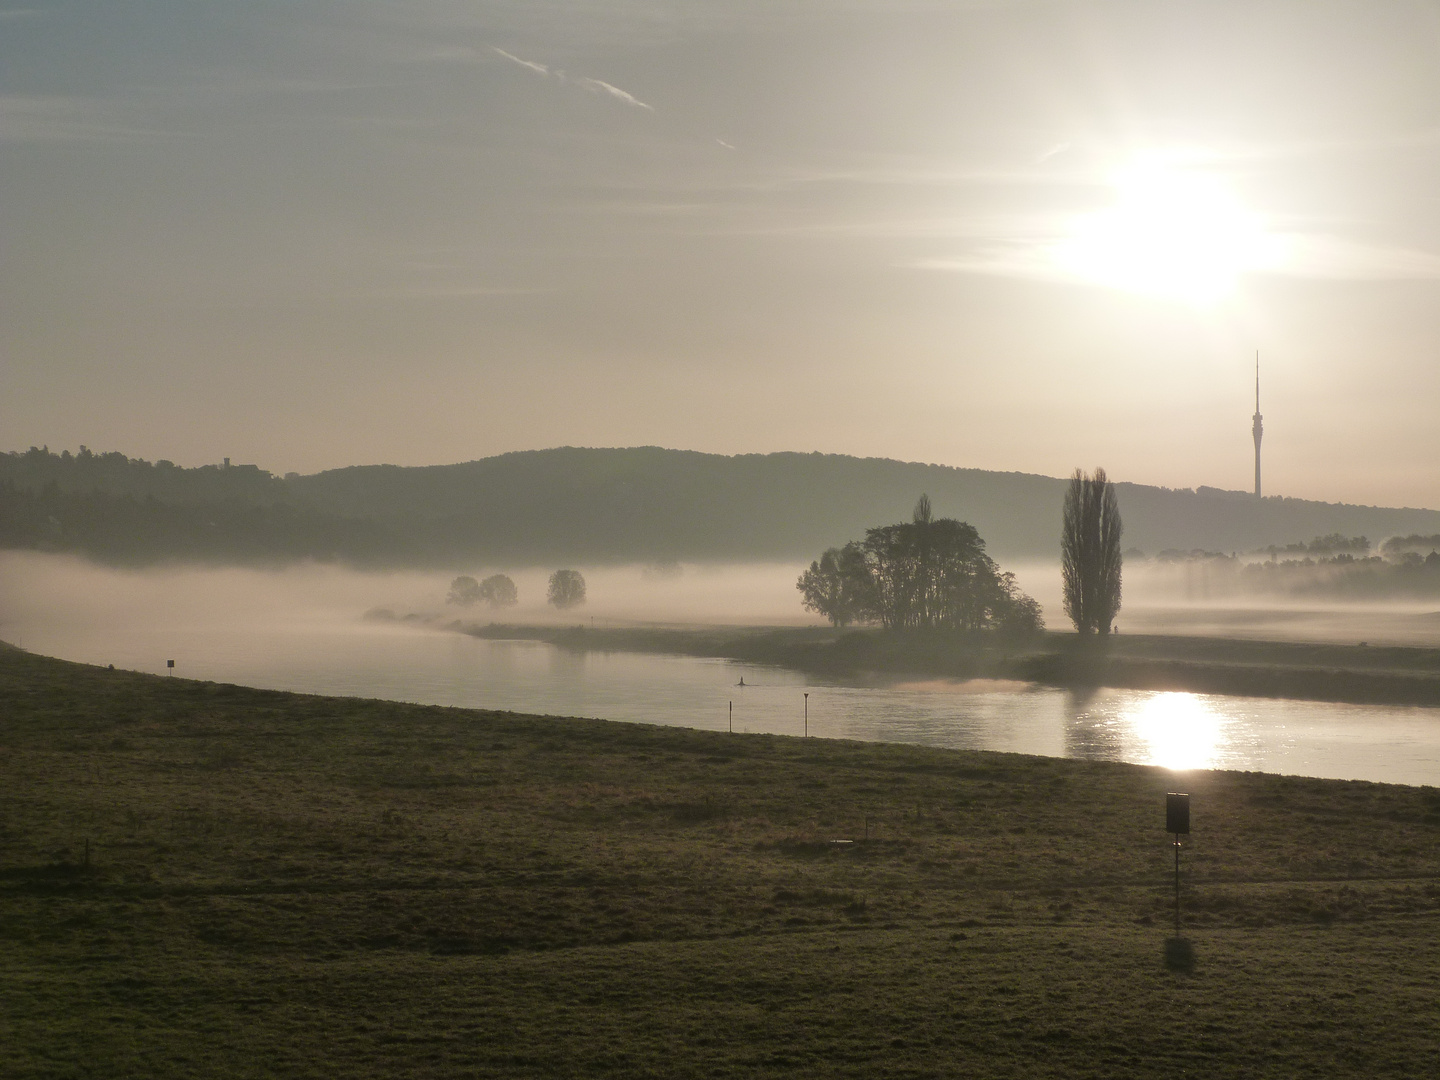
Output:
x=1177 y=731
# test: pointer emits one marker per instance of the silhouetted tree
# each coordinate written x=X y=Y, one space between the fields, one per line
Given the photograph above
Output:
x=931 y=573
x=498 y=590
x=838 y=586
x=567 y=589
x=925 y=574
x=1090 y=552
x=464 y=590
x=1016 y=614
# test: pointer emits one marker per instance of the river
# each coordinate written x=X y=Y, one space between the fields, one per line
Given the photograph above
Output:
x=306 y=634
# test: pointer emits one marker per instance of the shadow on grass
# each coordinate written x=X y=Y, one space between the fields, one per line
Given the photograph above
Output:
x=1179 y=954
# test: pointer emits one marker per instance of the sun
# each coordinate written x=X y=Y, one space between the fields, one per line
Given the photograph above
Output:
x=1171 y=231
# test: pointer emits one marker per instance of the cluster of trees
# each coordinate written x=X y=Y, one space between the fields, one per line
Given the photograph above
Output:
x=925 y=574
x=1347 y=577
x=497 y=590
x=115 y=474
x=566 y=590
x=1415 y=544
x=1322 y=546
x=1334 y=566
x=139 y=530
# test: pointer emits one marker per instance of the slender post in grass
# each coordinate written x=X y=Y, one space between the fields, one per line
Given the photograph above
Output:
x=807 y=714
x=1177 y=886
x=1177 y=821
x=732 y=718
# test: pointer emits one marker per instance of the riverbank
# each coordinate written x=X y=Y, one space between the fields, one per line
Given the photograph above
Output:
x=1359 y=674
x=200 y=879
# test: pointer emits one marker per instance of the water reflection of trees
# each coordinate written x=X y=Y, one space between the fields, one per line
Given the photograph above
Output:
x=1090 y=734
x=566 y=663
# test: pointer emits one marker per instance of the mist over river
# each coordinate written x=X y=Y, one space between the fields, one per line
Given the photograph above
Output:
x=302 y=629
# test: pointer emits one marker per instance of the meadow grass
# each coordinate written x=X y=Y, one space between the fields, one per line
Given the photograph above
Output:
x=288 y=885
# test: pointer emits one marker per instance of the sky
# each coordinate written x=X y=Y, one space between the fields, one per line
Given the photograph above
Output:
x=1008 y=235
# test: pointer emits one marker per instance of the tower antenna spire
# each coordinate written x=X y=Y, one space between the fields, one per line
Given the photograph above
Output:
x=1257 y=428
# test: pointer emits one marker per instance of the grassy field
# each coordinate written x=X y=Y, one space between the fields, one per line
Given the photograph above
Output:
x=282 y=885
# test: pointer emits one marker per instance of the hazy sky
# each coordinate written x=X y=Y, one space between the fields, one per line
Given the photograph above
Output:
x=1020 y=236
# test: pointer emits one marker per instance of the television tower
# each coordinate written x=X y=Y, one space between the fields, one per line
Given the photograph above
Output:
x=1257 y=428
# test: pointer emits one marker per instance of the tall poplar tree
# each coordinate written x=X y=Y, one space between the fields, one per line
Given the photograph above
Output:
x=1090 y=552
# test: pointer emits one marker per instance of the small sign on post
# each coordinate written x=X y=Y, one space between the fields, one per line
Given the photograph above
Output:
x=1177 y=814
x=170 y=667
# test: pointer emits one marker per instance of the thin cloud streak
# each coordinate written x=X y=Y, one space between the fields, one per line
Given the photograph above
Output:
x=53 y=118
x=531 y=64
x=1306 y=256
x=452 y=292
x=596 y=86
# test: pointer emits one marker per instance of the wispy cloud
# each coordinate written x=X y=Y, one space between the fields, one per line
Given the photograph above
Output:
x=1052 y=152
x=531 y=64
x=594 y=86
x=452 y=292
x=1297 y=255
x=598 y=86
x=56 y=118
x=1048 y=207
x=1324 y=255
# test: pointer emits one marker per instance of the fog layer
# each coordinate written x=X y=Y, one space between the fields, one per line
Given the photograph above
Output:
x=64 y=606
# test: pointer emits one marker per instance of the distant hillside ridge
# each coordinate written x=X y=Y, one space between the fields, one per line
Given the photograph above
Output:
x=594 y=505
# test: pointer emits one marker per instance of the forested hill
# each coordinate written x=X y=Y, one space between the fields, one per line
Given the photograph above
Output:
x=599 y=505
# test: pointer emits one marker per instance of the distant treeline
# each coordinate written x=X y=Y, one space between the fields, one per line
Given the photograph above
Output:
x=1346 y=577
x=1332 y=567
x=133 y=530
x=1400 y=546
x=592 y=506
x=114 y=474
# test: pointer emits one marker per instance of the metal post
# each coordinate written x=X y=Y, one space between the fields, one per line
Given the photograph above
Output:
x=807 y=714
x=1177 y=822
x=732 y=718
x=1177 y=885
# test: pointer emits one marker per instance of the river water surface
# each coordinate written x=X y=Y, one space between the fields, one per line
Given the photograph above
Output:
x=232 y=630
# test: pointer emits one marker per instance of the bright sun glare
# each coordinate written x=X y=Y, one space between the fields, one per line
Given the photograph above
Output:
x=1170 y=232
x=1178 y=730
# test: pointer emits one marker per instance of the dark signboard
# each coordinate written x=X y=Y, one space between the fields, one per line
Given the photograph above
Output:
x=1177 y=813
